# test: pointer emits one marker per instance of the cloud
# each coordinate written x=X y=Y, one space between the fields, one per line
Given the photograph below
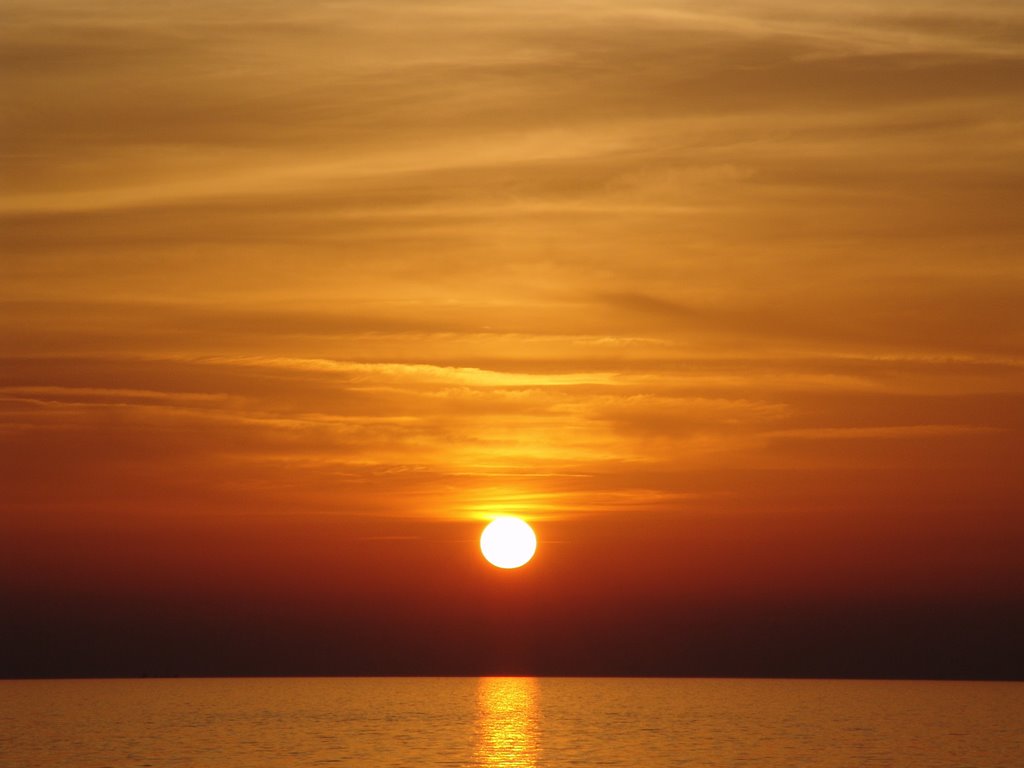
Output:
x=624 y=256
x=874 y=433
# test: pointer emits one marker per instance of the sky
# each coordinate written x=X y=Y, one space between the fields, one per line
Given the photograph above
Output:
x=724 y=298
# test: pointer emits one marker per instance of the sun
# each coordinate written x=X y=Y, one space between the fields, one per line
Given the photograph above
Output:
x=508 y=542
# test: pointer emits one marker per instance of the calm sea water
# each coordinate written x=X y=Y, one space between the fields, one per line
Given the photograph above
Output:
x=516 y=722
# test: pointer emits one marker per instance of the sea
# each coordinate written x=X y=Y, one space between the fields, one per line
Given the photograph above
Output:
x=517 y=722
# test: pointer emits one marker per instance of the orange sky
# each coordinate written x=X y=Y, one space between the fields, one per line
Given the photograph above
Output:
x=725 y=298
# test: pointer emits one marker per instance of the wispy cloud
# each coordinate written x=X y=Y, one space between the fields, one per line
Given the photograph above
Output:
x=385 y=257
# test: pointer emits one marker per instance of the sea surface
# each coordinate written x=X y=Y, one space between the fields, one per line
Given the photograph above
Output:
x=516 y=722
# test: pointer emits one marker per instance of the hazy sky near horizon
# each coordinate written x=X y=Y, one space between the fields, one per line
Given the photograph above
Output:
x=724 y=297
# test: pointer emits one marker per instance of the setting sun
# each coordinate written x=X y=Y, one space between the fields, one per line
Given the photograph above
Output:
x=508 y=542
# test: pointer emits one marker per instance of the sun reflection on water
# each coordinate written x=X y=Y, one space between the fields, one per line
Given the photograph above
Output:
x=506 y=722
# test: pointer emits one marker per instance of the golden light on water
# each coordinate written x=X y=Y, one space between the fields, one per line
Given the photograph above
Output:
x=507 y=722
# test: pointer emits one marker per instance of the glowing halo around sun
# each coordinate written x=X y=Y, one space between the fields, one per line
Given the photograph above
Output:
x=508 y=542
